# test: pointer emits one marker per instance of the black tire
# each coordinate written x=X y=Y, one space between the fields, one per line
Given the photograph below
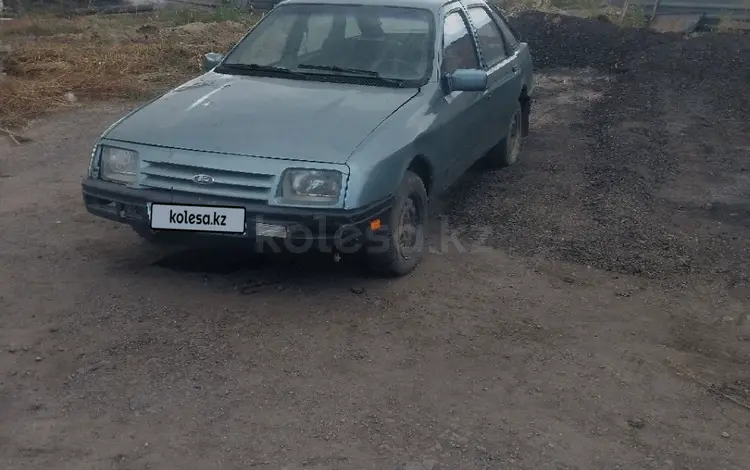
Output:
x=389 y=257
x=507 y=151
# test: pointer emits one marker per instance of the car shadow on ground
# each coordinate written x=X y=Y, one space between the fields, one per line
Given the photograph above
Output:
x=264 y=270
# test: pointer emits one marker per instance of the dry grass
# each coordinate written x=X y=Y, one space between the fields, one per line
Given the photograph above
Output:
x=728 y=24
x=101 y=58
x=38 y=27
x=586 y=8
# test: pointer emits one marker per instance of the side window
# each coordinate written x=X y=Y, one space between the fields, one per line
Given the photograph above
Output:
x=458 y=46
x=510 y=39
x=490 y=39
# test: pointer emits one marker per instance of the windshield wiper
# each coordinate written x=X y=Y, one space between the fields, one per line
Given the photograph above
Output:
x=262 y=68
x=336 y=68
x=348 y=71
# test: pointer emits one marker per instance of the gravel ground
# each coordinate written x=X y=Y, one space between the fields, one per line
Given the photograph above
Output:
x=595 y=317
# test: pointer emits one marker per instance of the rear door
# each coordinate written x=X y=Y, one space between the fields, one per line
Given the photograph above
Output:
x=505 y=79
x=516 y=47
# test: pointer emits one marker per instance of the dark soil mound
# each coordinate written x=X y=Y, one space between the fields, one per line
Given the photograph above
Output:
x=690 y=98
x=568 y=41
x=651 y=177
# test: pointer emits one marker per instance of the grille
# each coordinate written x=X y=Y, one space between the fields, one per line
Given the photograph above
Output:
x=231 y=184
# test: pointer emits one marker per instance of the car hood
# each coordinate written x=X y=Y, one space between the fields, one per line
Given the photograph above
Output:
x=263 y=116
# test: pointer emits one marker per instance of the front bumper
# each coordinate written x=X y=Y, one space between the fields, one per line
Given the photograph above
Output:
x=328 y=227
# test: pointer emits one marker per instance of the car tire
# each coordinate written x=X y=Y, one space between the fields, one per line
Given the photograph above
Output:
x=408 y=218
x=507 y=151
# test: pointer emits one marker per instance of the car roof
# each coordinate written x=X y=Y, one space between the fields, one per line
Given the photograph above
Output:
x=426 y=4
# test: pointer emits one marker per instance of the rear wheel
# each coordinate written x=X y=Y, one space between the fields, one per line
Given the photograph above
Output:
x=506 y=152
x=402 y=241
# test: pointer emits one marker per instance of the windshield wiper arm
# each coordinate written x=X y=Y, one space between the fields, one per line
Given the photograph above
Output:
x=336 y=68
x=362 y=72
x=262 y=68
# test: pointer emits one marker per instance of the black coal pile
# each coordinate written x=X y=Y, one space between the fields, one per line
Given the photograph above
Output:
x=689 y=96
x=568 y=41
x=716 y=64
x=643 y=178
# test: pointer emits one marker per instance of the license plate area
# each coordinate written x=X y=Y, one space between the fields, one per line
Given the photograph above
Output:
x=198 y=218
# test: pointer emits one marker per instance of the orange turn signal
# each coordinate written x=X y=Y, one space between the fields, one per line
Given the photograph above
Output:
x=375 y=224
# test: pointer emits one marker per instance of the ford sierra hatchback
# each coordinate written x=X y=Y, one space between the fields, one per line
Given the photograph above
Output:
x=330 y=125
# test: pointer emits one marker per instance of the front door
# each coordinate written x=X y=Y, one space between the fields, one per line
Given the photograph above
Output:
x=504 y=81
x=460 y=111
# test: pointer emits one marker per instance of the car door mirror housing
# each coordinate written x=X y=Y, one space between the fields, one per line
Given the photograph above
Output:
x=465 y=80
x=211 y=60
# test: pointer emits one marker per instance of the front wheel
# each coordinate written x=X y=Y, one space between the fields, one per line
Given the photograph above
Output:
x=401 y=244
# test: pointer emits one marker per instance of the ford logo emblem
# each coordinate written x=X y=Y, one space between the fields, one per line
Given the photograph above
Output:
x=203 y=179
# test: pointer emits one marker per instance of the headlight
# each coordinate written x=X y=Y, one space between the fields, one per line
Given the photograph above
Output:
x=118 y=165
x=312 y=185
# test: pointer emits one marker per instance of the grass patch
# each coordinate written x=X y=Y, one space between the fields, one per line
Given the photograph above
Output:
x=634 y=17
x=545 y=5
x=106 y=57
x=38 y=27
x=592 y=5
x=182 y=16
x=586 y=8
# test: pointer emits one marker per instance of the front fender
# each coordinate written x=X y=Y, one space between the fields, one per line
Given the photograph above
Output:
x=380 y=161
x=373 y=181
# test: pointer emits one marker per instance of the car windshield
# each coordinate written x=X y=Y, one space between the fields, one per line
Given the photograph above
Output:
x=390 y=44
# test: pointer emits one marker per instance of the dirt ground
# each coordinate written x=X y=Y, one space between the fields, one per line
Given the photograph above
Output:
x=592 y=315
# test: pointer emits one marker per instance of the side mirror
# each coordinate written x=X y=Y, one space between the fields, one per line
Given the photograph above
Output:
x=211 y=60
x=465 y=80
